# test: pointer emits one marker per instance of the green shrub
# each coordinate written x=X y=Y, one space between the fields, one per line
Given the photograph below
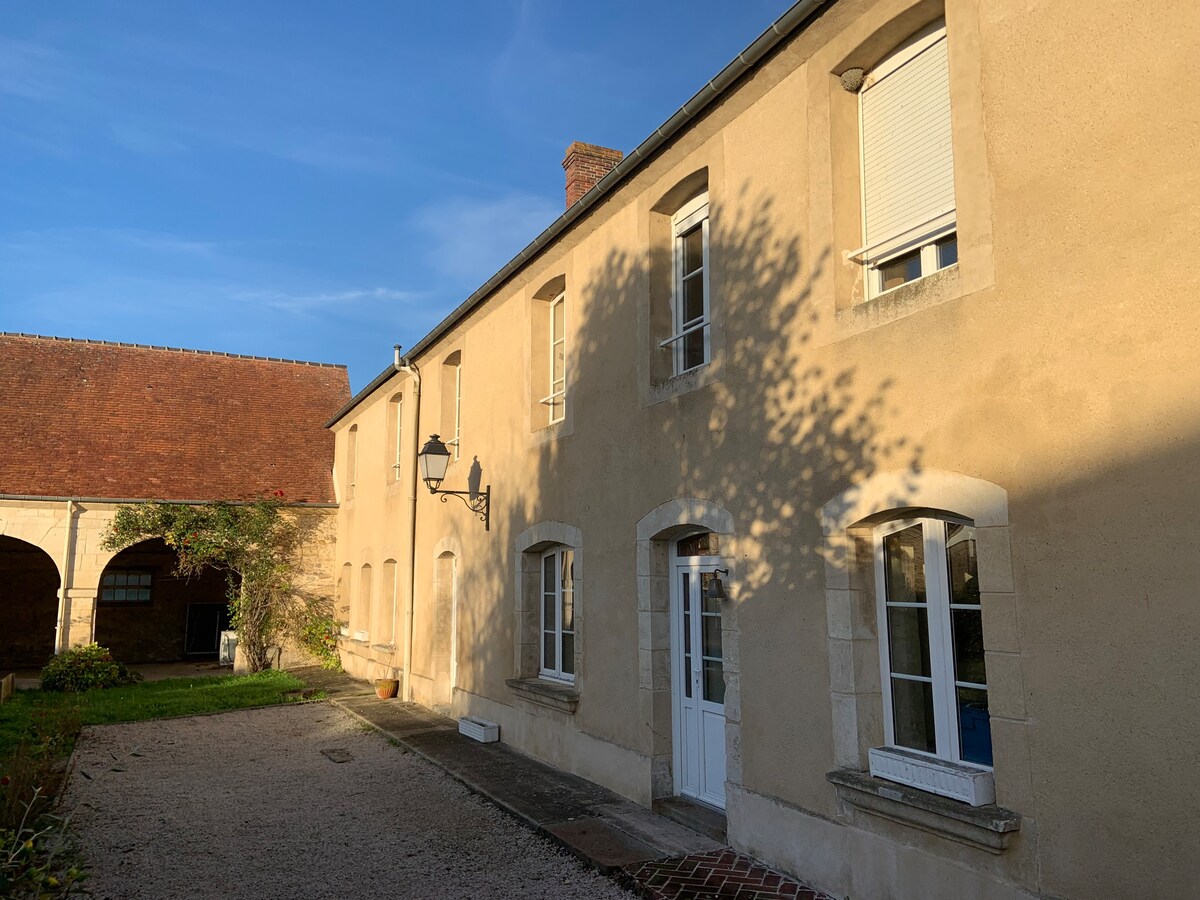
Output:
x=84 y=668
x=317 y=633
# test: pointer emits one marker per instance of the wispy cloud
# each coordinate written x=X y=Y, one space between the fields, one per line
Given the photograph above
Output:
x=146 y=141
x=469 y=239
x=29 y=70
x=307 y=304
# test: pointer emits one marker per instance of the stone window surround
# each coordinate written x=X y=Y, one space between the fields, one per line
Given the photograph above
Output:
x=655 y=532
x=836 y=202
x=701 y=171
x=855 y=680
x=529 y=547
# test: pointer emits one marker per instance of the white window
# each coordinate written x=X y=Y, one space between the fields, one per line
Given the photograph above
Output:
x=690 y=339
x=908 y=164
x=556 y=400
x=452 y=401
x=456 y=442
x=935 y=695
x=351 y=461
x=395 y=436
x=558 y=614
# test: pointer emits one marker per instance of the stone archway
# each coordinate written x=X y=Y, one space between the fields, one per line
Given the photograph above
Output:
x=655 y=532
x=147 y=613
x=29 y=583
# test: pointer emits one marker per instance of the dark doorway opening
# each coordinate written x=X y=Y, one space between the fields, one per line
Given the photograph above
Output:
x=144 y=611
x=28 y=604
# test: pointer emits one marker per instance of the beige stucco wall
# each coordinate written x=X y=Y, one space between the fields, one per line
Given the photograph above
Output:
x=72 y=533
x=1055 y=362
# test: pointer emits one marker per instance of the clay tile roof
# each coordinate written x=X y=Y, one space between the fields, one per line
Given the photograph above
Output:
x=98 y=419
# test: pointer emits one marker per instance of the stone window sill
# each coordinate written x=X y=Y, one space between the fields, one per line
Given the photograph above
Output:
x=563 y=697
x=989 y=828
x=685 y=382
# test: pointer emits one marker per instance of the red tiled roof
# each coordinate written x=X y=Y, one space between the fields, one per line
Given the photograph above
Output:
x=98 y=419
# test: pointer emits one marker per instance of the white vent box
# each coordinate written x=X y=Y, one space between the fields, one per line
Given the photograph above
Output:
x=479 y=729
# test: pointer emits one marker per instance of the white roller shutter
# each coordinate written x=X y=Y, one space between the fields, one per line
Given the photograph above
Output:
x=908 y=160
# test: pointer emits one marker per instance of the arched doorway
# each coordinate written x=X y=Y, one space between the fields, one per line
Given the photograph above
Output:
x=29 y=583
x=147 y=613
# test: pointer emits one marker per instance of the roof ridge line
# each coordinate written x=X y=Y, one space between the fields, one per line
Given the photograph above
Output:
x=220 y=353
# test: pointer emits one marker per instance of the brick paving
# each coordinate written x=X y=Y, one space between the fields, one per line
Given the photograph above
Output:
x=716 y=875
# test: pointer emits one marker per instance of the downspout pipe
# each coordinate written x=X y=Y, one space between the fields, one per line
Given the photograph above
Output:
x=408 y=367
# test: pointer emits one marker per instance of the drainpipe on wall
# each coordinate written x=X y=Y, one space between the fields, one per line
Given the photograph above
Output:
x=407 y=366
x=64 y=580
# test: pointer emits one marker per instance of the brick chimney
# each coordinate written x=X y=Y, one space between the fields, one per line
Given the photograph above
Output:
x=585 y=164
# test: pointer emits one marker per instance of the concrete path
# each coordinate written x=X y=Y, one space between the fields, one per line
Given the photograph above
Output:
x=296 y=802
x=659 y=858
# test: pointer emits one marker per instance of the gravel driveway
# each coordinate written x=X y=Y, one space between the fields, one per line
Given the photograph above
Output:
x=295 y=802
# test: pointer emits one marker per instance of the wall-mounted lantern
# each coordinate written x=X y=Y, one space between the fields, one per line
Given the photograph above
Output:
x=714 y=590
x=434 y=459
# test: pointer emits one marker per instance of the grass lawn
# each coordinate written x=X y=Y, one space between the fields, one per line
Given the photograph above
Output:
x=42 y=717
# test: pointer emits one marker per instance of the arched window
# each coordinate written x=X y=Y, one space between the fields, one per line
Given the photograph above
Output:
x=558 y=614
x=361 y=618
x=342 y=613
x=690 y=337
x=351 y=461
x=395 y=444
x=548 y=353
x=935 y=693
x=383 y=621
x=452 y=402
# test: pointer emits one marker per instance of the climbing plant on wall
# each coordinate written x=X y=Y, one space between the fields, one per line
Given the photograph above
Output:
x=255 y=543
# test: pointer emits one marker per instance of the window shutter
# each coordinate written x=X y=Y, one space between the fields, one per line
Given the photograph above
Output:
x=908 y=160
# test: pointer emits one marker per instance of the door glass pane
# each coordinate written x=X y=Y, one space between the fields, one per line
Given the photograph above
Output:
x=693 y=249
x=705 y=544
x=974 y=726
x=967 y=625
x=549 y=660
x=685 y=587
x=548 y=622
x=904 y=570
x=712 y=636
x=961 y=564
x=912 y=714
x=710 y=605
x=908 y=640
x=568 y=654
x=714 y=682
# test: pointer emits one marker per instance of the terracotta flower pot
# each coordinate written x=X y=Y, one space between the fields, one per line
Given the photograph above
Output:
x=386 y=688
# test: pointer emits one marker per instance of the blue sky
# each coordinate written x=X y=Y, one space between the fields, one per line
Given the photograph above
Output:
x=310 y=180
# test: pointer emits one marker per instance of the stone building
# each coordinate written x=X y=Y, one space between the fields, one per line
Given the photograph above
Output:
x=89 y=425
x=888 y=329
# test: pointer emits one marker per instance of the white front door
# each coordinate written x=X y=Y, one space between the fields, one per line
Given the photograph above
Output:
x=698 y=683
